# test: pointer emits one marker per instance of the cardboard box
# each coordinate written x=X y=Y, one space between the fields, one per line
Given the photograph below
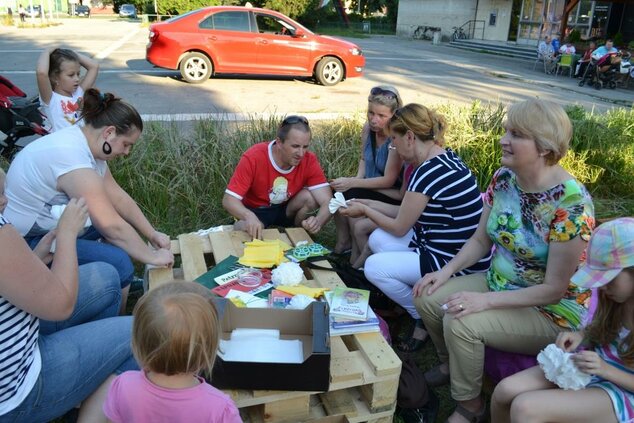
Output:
x=309 y=325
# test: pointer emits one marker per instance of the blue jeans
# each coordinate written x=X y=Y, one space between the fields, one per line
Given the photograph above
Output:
x=99 y=297
x=77 y=359
x=90 y=250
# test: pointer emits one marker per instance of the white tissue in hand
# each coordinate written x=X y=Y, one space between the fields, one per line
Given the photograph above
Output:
x=338 y=201
x=559 y=368
x=289 y=273
x=58 y=210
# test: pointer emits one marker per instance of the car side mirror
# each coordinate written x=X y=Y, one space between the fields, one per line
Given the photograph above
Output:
x=299 y=33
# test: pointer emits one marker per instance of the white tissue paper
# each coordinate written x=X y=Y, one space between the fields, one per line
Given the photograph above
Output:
x=56 y=213
x=300 y=302
x=260 y=346
x=559 y=368
x=338 y=201
x=205 y=232
x=289 y=273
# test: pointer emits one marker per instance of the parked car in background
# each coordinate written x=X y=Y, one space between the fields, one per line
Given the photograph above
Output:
x=34 y=11
x=127 y=11
x=82 y=10
x=246 y=40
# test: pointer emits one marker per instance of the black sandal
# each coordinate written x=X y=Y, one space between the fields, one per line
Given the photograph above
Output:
x=409 y=343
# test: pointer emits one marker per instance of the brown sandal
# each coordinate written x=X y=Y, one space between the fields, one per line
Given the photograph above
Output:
x=478 y=417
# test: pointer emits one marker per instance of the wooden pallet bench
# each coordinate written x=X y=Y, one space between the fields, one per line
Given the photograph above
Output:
x=364 y=370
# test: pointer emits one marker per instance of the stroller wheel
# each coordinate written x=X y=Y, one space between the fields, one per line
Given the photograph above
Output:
x=582 y=83
x=612 y=85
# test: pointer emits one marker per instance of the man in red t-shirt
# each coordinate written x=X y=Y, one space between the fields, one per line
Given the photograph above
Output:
x=279 y=183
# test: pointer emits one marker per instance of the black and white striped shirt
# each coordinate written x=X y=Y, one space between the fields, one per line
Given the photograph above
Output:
x=20 y=361
x=452 y=213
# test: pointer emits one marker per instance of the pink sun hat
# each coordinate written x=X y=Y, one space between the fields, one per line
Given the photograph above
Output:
x=611 y=249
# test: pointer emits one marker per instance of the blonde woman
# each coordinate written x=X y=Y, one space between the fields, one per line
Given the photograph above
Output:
x=439 y=212
x=378 y=173
x=539 y=218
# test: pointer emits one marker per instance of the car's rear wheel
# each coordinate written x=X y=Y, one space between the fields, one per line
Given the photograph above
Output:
x=196 y=68
x=329 y=71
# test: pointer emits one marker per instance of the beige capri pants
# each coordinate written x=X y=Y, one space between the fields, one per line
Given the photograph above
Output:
x=461 y=342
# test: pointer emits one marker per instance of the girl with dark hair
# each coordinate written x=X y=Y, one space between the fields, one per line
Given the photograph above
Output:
x=61 y=85
x=73 y=162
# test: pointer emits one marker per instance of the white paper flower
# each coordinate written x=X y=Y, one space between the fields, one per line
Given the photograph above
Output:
x=335 y=203
x=289 y=274
x=559 y=368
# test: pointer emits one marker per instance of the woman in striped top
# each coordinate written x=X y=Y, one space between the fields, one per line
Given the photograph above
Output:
x=43 y=376
x=539 y=219
x=605 y=349
x=439 y=212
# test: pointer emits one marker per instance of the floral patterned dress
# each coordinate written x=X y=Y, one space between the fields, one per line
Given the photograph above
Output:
x=522 y=225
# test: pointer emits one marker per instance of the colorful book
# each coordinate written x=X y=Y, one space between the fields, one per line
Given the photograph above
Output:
x=350 y=303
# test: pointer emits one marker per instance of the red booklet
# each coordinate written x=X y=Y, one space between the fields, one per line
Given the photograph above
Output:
x=265 y=285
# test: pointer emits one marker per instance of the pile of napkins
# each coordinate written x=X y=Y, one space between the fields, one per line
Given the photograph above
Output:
x=261 y=254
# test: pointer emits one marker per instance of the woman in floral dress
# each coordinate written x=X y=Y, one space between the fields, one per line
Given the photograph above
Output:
x=537 y=219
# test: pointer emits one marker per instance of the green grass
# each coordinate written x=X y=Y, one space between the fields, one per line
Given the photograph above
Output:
x=178 y=175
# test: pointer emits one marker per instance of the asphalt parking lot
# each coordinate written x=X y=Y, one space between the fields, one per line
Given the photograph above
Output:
x=424 y=73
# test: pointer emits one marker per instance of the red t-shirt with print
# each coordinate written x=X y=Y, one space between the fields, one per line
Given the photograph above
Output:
x=259 y=182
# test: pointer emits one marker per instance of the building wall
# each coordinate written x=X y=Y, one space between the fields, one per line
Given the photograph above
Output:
x=439 y=13
x=500 y=30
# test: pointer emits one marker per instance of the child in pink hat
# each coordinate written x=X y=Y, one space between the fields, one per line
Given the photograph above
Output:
x=609 y=339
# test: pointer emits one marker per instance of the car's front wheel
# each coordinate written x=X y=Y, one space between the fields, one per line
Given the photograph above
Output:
x=196 y=68
x=329 y=71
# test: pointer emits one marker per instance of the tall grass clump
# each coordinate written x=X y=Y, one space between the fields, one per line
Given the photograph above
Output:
x=178 y=172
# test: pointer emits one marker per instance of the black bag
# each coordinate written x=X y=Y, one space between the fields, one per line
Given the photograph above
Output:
x=353 y=278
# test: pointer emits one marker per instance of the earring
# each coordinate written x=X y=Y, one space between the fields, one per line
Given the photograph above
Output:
x=106 y=148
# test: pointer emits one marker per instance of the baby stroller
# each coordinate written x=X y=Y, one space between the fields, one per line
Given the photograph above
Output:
x=19 y=117
x=602 y=72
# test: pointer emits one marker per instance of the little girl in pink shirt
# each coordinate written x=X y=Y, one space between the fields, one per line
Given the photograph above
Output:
x=174 y=337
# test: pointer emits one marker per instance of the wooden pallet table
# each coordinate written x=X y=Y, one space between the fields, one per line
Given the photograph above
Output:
x=364 y=370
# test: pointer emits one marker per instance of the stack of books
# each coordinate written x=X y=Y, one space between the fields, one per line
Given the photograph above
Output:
x=349 y=311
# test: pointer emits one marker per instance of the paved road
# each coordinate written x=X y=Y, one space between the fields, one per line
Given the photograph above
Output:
x=422 y=72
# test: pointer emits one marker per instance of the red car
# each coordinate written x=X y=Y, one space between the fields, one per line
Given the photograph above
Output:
x=245 y=40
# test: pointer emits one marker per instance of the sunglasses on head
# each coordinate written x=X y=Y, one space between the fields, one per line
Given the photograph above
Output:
x=291 y=120
x=385 y=93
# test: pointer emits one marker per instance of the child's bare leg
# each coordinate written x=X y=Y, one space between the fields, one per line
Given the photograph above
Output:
x=589 y=405
x=509 y=388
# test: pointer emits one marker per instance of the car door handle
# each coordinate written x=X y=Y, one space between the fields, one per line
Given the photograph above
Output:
x=212 y=38
x=261 y=41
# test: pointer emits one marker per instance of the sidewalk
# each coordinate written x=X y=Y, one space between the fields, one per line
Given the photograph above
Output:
x=517 y=69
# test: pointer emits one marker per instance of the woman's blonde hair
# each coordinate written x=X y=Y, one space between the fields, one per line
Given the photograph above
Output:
x=608 y=320
x=176 y=329
x=545 y=122
x=426 y=124
x=387 y=96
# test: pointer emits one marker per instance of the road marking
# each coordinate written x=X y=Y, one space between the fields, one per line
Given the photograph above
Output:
x=138 y=71
x=105 y=53
x=400 y=59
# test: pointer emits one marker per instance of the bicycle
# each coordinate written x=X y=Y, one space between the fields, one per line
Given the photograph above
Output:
x=458 y=34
